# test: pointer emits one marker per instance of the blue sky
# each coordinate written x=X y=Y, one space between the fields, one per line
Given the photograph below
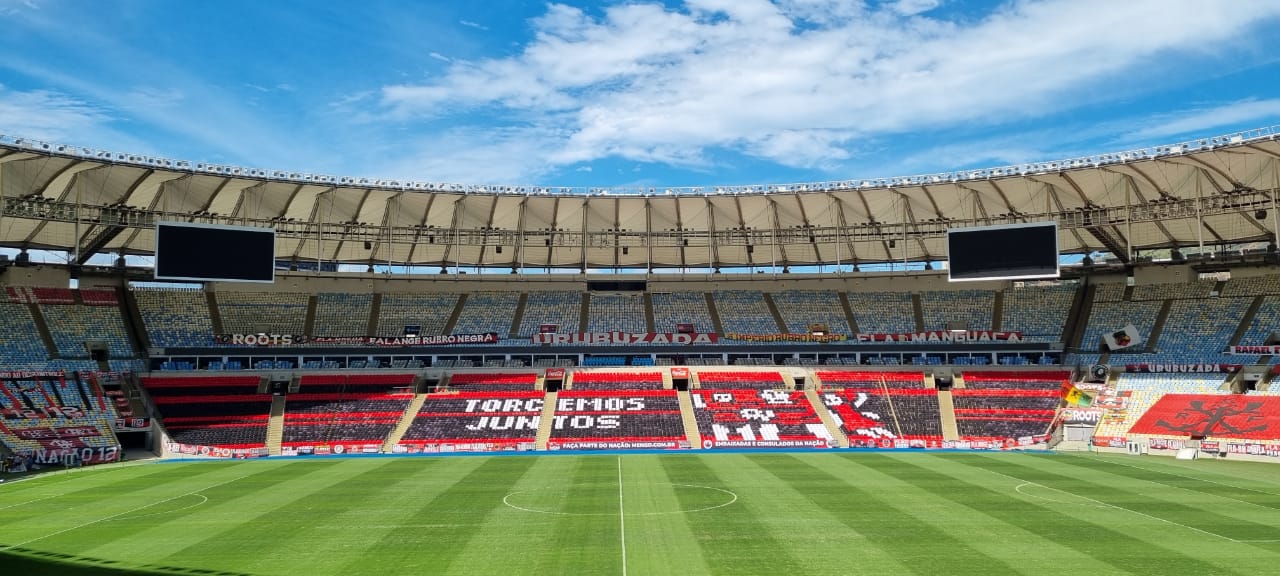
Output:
x=637 y=93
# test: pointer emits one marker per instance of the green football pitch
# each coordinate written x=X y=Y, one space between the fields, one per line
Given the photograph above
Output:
x=766 y=513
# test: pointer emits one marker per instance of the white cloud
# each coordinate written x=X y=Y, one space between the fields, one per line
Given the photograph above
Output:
x=795 y=81
x=47 y=115
x=913 y=7
x=472 y=156
x=476 y=25
x=1200 y=120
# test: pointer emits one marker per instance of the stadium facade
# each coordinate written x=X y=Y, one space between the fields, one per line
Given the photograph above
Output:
x=690 y=318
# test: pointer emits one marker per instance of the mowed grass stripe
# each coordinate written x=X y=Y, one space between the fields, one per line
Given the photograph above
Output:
x=920 y=546
x=242 y=527
x=446 y=521
x=526 y=534
x=1177 y=481
x=168 y=516
x=1059 y=523
x=63 y=516
x=939 y=499
x=168 y=530
x=383 y=500
x=87 y=476
x=1241 y=473
x=1228 y=475
x=821 y=540
x=660 y=539
x=735 y=539
x=586 y=537
x=918 y=506
x=1223 y=518
x=83 y=496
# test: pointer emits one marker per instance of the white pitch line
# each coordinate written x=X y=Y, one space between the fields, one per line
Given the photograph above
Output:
x=114 y=516
x=28 y=502
x=1110 y=461
x=622 y=520
x=1129 y=510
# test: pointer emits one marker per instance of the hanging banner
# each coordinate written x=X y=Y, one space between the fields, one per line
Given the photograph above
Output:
x=1182 y=368
x=442 y=340
x=786 y=337
x=260 y=339
x=25 y=374
x=607 y=338
x=1081 y=416
x=944 y=336
x=267 y=340
x=1256 y=350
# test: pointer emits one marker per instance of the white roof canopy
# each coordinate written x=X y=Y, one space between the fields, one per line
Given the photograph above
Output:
x=1209 y=191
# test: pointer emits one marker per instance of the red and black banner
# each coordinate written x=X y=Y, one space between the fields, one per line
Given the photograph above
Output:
x=1221 y=416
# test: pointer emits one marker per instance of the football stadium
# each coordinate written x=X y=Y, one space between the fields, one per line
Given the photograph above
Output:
x=1005 y=364
x=245 y=406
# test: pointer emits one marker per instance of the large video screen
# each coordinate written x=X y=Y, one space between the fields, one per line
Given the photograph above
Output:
x=206 y=252
x=1010 y=252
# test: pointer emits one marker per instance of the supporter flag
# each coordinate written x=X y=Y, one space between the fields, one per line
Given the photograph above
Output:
x=1124 y=338
x=1076 y=396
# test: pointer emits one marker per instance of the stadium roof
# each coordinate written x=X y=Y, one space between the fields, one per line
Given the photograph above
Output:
x=1219 y=190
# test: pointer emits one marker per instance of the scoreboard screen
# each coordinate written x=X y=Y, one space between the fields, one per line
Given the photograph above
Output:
x=214 y=253
x=1011 y=252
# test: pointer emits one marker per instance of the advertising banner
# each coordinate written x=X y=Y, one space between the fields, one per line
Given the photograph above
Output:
x=1166 y=443
x=568 y=444
x=215 y=452
x=709 y=443
x=1110 y=441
